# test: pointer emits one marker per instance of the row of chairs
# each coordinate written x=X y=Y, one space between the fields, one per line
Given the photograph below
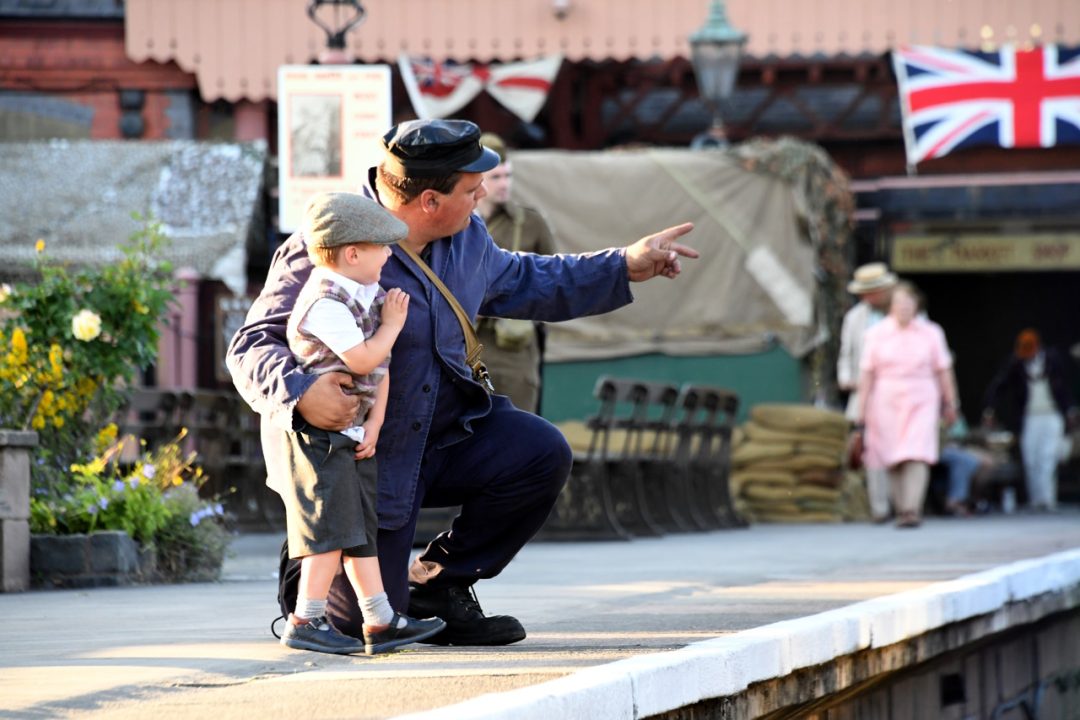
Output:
x=224 y=432
x=654 y=459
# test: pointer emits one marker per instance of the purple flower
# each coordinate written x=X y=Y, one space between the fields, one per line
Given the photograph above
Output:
x=103 y=503
x=133 y=482
x=118 y=485
x=218 y=509
x=195 y=519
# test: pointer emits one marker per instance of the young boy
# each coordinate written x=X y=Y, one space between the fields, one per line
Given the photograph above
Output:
x=343 y=321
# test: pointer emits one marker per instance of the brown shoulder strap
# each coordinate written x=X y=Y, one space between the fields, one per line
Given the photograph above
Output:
x=473 y=348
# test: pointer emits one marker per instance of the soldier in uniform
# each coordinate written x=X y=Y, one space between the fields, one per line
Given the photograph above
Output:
x=512 y=348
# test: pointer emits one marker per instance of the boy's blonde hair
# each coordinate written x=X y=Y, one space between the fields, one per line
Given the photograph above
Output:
x=326 y=256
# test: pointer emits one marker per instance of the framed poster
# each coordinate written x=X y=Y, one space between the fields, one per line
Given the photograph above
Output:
x=330 y=119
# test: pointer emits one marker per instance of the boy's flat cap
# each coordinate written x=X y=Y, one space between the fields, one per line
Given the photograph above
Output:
x=340 y=218
x=436 y=148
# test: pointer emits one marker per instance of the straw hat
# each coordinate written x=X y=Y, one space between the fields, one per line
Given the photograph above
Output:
x=871 y=277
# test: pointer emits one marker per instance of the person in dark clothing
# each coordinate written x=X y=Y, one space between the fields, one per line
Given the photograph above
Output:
x=1031 y=396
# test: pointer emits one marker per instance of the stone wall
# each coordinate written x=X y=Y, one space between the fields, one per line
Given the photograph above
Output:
x=100 y=559
x=15 y=447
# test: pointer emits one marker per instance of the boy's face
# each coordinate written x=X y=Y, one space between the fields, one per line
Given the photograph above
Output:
x=363 y=262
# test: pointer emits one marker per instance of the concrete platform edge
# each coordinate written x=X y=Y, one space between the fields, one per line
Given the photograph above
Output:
x=651 y=684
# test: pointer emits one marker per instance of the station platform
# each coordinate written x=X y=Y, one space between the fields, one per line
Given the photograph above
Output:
x=615 y=629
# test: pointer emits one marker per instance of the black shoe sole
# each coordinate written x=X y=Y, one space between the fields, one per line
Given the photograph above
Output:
x=450 y=637
x=304 y=645
x=382 y=647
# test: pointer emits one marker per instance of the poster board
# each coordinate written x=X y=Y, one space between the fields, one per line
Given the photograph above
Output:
x=330 y=119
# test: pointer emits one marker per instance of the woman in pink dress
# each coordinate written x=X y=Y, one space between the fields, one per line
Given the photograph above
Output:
x=905 y=389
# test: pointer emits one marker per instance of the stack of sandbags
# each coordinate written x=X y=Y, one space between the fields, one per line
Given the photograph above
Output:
x=788 y=465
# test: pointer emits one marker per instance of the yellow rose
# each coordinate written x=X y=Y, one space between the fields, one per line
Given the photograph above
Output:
x=86 y=325
x=39 y=246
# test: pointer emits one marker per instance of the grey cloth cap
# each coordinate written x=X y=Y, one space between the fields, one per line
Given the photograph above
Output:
x=339 y=218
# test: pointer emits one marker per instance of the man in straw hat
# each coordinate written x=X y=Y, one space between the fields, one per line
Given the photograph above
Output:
x=872 y=284
x=445 y=440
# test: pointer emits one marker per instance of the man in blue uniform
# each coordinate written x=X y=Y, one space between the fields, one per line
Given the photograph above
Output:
x=445 y=441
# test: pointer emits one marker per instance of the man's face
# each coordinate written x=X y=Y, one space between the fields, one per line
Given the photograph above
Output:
x=498 y=181
x=456 y=207
x=878 y=299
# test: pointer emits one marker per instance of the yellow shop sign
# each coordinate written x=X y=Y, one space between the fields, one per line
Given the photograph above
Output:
x=946 y=252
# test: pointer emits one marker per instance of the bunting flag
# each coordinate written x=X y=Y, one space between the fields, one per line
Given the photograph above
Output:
x=440 y=89
x=1011 y=98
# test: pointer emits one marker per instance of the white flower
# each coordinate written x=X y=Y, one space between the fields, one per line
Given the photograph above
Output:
x=5 y=292
x=86 y=325
x=149 y=471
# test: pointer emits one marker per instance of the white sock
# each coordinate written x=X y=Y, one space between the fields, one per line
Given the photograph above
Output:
x=377 y=611
x=309 y=609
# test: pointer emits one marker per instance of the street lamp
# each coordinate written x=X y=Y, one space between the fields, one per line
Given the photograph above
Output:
x=336 y=24
x=715 y=50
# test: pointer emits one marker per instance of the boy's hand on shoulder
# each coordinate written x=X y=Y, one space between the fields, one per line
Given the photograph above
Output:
x=395 y=308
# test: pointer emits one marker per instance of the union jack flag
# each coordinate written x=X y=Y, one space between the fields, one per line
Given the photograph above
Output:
x=440 y=89
x=1012 y=98
x=440 y=79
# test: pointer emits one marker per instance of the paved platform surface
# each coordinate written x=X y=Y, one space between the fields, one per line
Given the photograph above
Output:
x=202 y=650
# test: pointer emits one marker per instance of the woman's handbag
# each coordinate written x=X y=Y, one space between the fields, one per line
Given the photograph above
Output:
x=473 y=348
x=855 y=450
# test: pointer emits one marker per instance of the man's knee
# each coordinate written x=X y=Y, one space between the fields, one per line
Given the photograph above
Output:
x=558 y=456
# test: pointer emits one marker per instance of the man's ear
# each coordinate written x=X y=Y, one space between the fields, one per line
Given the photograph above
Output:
x=429 y=201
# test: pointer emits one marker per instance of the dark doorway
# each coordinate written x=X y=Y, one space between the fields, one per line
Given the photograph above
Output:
x=981 y=314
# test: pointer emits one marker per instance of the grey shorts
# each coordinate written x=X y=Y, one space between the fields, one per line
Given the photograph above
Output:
x=330 y=503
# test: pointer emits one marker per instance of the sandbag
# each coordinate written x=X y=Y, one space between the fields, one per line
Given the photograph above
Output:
x=822 y=447
x=820 y=477
x=758 y=432
x=756 y=492
x=800 y=517
x=800 y=419
x=750 y=452
x=796 y=463
x=809 y=492
x=757 y=509
x=764 y=477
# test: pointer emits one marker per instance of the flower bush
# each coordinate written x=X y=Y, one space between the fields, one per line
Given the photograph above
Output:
x=73 y=340
x=154 y=499
x=70 y=344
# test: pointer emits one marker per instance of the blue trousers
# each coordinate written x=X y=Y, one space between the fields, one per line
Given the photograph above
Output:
x=962 y=465
x=506 y=477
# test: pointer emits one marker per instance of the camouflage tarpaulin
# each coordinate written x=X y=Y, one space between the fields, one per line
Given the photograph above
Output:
x=772 y=221
x=79 y=197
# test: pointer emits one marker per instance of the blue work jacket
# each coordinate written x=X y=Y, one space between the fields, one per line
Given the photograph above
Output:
x=485 y=279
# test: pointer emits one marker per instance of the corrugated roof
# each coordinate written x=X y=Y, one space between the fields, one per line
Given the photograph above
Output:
x=79 y=195
x=236 y=46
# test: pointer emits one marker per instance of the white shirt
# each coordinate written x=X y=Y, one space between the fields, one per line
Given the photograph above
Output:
x=333 y=323
x=1040 y=399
